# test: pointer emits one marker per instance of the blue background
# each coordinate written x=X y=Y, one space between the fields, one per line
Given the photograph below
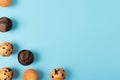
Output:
x=81 y=36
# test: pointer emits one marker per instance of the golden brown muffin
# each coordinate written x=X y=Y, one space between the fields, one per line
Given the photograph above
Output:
x=5 y=3
x=6 y=49
x=30 y=74
x=58 y=74
x=6 y=74
x=57 y=79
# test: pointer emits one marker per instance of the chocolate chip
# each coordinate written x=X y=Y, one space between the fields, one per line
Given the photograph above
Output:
x=52 y=76
x=5 y=79
x=56 y=71
x=12 y=46
x=3 y=48
x=4 y=73
x=62 y=75
x=9 y=69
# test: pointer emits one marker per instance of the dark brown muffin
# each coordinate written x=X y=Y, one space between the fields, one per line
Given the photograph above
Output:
x=25 y=57
x=5 y=24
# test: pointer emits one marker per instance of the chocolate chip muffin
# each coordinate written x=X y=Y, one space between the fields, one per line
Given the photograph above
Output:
x=6 y=49
x=58 y=74
x=6 y=74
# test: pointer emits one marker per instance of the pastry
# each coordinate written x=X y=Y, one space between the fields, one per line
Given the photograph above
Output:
x=25 y=57
x=30 y=74
x=5 y=3
x=58 y=74
x=6 y=49
x=5 y=24
x=6 y=74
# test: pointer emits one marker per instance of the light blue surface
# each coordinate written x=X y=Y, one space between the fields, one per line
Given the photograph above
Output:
x=81 y=36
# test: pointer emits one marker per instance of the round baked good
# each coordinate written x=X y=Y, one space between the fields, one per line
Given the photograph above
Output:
x=6 y=74
x=25 y=57
x=5 y=3
x=58 y=74
x=6 y=49
x=30 y=74
x=5 y=24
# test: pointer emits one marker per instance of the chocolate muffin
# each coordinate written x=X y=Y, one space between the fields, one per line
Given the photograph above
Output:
x=5 y=24
x=25 y=57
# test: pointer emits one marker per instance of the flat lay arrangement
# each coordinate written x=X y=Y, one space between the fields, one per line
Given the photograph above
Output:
x=25 y=57
x=59 y=39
